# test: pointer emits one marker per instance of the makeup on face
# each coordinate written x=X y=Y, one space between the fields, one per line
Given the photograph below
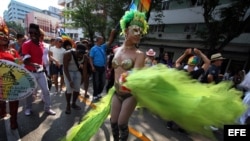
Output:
x=135 y=30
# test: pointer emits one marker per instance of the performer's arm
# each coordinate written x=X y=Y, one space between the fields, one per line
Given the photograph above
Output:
x=139 y=61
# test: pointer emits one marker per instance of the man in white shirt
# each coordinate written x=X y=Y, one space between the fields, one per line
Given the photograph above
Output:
x=56 y=56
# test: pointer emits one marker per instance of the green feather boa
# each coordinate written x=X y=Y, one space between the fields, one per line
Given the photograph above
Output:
x=92 y=121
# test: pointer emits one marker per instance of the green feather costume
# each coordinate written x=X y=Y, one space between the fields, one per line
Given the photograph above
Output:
x=172 y=95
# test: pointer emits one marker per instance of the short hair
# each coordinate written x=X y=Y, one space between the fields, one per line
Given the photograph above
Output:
x=52 y=39
x=58 y=39
x=67 y=42
x=19 y=35
x=85 y=41
x=81 y=48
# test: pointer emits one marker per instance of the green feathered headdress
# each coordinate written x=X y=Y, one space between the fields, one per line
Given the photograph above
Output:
x=133 y=17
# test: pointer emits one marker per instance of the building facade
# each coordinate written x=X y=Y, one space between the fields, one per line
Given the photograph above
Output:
x=17 y=11
x=25 y=14
x=48 y=23
x=75 y=33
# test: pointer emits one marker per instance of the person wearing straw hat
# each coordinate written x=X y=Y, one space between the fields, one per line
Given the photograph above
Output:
x=213 y=73
x=150 y=59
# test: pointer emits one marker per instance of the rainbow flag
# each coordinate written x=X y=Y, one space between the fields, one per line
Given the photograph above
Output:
x=66 y=37
x=140 y=5
x=63 y=34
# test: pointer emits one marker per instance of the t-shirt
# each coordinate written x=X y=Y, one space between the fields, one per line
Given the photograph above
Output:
x=58 y=54
x=6 y=55
x=35 y=51
x=214 y=71
x=98 y=55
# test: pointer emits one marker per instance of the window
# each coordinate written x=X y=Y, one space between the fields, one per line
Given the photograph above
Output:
x=152 y=28
x=156 y=28
x=190 y=28
x=165 y=5
x=161 y=28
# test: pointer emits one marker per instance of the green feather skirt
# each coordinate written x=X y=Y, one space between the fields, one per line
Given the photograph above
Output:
x=172 y=95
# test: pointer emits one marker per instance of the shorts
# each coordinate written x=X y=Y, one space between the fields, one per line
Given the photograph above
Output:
x=76 y=77
x=56 y=70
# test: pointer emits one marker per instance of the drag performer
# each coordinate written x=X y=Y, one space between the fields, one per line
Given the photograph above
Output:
x=126 y=57
x=169 y=93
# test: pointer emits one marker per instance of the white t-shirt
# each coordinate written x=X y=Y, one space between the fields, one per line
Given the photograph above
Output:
x=58 y=53
x=46 y=54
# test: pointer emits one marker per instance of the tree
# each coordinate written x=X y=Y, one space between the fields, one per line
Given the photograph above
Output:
x=233 y=21
x=15 y=28
x=92 y=16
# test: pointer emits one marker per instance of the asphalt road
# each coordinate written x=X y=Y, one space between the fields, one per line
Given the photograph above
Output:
x=42 y=127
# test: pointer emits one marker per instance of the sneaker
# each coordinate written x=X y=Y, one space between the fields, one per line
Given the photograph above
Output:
x=50 y=112
x=27 y=112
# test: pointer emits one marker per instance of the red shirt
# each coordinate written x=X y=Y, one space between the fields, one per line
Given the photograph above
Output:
x=9 y=55
x=35 y=51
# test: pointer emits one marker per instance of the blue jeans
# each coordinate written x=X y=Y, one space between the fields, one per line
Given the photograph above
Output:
x=99 y=79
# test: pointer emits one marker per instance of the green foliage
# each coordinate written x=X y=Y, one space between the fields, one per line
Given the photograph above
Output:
x=232 y=22
x=15 y=28
x=95 y=16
